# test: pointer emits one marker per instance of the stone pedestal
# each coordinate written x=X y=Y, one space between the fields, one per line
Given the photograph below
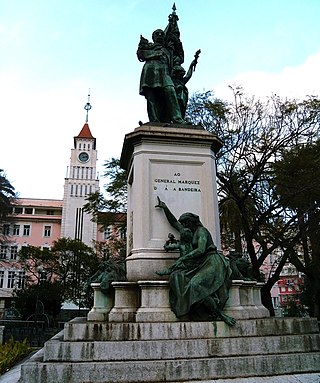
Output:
x=102 y=304
x=263 y=312
x=126 y=302
x=176 y=164
x=148 y=301
x=155 y=305
x=233 y=306
x=246 y=298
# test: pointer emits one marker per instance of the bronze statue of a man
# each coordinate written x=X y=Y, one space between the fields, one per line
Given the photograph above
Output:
x=166 y=99
x=156 y=83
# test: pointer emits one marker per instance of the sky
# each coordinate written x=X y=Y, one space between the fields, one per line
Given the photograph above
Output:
x=54 y=51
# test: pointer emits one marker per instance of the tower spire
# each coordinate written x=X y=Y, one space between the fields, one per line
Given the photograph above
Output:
x=87 y=107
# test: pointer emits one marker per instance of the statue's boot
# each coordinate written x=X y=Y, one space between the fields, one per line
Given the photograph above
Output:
x=152 y=109
x=152 y=112
x=173 y=105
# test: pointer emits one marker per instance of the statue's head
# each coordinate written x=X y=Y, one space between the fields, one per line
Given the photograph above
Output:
x=190 y=221
x=178 y=71
x=158 y=36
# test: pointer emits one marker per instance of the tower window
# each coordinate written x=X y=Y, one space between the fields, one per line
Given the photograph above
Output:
x=79 y=145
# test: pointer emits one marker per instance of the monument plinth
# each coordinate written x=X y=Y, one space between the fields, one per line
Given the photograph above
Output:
x=177 y=164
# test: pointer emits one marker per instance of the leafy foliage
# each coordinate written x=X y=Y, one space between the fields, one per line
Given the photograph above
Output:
x=37 y=300
x=7 y=199
x=11 y=353
x=116 y=189
x=296 y=179
x=57 y=274
x=255 y=134
x=7 y=196
x=111 y=211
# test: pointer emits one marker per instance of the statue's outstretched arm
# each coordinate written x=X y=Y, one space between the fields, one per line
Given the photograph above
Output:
x=170 y=217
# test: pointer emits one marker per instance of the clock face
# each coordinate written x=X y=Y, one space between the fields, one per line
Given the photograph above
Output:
x=84 y=157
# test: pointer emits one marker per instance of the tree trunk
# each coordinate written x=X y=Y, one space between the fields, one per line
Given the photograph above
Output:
x=267 y=300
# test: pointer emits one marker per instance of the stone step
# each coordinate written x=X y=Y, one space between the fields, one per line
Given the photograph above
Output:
x=181 y=370
x=59 y=350
x=81 y=330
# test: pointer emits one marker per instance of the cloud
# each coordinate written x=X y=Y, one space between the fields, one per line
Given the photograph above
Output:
x=291 y=82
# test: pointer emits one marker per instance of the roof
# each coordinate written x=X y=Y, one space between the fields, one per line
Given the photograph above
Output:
x=86 y=133
x=38 y=202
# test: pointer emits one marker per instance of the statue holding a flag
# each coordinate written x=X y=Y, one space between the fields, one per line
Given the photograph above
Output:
x=157 y=83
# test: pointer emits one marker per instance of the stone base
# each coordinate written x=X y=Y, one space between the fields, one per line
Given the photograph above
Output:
x=155 y=305
x=176 y=352
x=126 y=302
x=148 y=301
x=245 y=300
x=102 y=304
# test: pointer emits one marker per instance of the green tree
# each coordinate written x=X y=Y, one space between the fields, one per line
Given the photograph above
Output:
x=40 y=300
x=111 y=210
x=255 y=133
x=297 y=182
x=76 y=262
x=7 y=199
x=69 y=263
x=116 y=189
x=42 y=291
x=38 y=263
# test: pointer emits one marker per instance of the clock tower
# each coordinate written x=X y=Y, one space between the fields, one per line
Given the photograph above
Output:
x=80 y=181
